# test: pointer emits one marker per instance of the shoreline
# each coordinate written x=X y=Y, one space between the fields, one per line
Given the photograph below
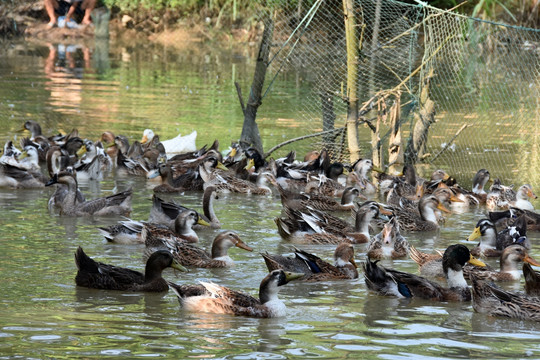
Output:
x=28 y=20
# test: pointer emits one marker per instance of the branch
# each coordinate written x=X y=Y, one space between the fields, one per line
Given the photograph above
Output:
x=450 y=142
x=267 y=154
x=239 y=92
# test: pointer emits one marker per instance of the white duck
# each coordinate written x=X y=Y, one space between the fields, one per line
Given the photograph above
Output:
x=178 y=145
x=522 y=198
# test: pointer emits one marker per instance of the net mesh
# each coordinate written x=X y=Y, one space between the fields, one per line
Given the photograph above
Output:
x=474 y=83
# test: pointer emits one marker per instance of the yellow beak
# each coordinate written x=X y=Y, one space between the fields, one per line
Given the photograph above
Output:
x=476 y=262
x=221 y=166
x=475 y=234
x=202 y=222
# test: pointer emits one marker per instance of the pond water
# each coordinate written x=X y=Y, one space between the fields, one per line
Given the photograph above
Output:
x=127 y=89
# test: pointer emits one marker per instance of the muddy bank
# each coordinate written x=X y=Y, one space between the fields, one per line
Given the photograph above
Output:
x=28 y=19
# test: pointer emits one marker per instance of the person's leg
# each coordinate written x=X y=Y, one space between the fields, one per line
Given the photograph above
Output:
x=71 y=11
x=88 y=6
x=50 y=6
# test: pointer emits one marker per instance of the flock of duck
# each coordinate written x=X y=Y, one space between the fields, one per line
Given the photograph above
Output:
x=315 y=194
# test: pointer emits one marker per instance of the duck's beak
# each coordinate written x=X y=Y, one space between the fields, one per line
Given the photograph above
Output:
x=144 y=139
x=530 y=260
x=383 y=211
x=52 y=180
x=221 y=166
x=443 y=208
x=446 y=177
x=292 y=276
x=153 y=174
x=202 y=222
x=377 y=169
x=531 y=194
x=233 y=152
x=454 y=198
x=353 y=263
x=475 y=234
x=176 y=265
x=474 y=261
x=23 y=155
x=345 y=171
x=81 y=151
x=243 y=245
x=250 y=164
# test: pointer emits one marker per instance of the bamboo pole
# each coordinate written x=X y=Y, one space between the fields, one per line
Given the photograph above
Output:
x=352 y=79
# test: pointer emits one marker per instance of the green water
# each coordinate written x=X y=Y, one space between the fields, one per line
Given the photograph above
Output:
x=127 y=89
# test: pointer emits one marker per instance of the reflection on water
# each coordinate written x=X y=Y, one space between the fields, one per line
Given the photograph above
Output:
x=127 y=88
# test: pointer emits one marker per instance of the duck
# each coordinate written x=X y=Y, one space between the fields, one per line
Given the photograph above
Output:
x=165 y=212
x=154 y=235
x=510 y=259
x=131 y=162
x=362 y=168
x=213 y=298
x=391 y=282
x=177 y=145
x=97 y=275
x=124 y=232
x=116 y=204
x=227 y=183
x=522 y=198
x=425 y=219
x=316 y=227
x=389 y=243
x=532 y=280
x=499 y=196
x=167 y=181
x=405 y=182
x=313 y=267
x=90 y=151
x=15 y=177
x=494 y=301
x=57 y=199
x=492 y=242
x=320 y=202
x=480 y=179
x=196 y=179
x=431 y=265
x=506 y=218
x=189 y=254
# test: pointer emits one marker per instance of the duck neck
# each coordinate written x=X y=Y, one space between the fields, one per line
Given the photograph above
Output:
x=362 y=223
x=267 y=293
x=489 y=238
x=151 y=273
x=455 y=278
x=220 y=248
x=428 y=214
x=208 y=204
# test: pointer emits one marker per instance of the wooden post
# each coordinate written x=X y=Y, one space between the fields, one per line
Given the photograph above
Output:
x=395 y=147
x=352 y=79
x=250 y=130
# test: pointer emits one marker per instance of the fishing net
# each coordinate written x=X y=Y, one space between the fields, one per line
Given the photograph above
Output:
x=434 y=86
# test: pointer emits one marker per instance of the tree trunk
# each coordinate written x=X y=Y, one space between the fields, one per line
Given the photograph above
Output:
x=250 y=130
x=352 y=79
x=423 y=120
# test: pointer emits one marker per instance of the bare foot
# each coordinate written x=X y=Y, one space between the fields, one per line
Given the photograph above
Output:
x=51 y=24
